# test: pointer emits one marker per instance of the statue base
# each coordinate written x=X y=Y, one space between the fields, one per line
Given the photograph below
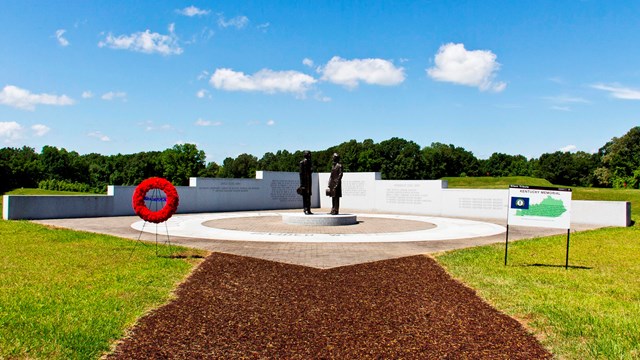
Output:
x=319 y=219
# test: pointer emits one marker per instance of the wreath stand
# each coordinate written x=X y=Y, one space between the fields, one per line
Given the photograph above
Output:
x=155 y=200
x=168 y=242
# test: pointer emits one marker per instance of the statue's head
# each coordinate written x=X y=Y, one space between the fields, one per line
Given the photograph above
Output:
x=307 y=154
x=336 y=157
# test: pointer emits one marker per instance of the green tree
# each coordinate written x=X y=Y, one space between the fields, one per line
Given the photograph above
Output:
x=448 y=160
x=369 y=159
x=244 y=166
x=401 y=160
x=620 y=161
x=181 y=162
x=18 y=168
x=282 y=160
x=565 y=168
x=499 y=164
x=212 y=170
x=60 y=164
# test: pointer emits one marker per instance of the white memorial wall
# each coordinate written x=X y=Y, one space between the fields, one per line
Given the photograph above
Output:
x=277 y=190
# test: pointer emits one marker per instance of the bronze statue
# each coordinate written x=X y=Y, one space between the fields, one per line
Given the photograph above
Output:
x=335 y=184
x=305 y=182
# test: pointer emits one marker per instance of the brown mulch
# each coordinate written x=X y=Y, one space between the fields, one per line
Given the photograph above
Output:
x=239 y=307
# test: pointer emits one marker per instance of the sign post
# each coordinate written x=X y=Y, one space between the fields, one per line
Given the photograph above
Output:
x=539 y=206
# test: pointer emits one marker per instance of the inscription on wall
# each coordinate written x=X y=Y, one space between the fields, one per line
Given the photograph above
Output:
x=406 y=194
x=230 y=187
x=480 y=203
x=285 y=190
x=353 y=188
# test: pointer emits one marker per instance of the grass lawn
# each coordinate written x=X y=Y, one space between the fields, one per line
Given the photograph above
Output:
x=68 y=295
x=591 y=310
x=488 y=182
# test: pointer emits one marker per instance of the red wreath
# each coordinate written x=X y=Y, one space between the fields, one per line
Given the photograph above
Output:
x=169 y=207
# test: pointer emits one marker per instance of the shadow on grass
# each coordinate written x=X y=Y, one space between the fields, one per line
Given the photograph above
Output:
x=181 y=256
x=557 y=266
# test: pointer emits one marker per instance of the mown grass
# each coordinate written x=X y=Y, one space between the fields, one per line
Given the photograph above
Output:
x=488 y=182
x=68 y=295
x=591 y=310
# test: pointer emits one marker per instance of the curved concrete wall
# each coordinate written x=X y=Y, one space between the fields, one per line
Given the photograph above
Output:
x=277 y=190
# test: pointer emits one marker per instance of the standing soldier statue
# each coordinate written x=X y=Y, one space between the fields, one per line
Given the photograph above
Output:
x=305 y=182
x=335 y=184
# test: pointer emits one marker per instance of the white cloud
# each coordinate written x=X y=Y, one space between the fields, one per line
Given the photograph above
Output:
x=112 y=95
x=270 y=122
x=320 y=97
x=203 y=93
x=508 y=106
x=61 y=40
x=237 y=22
x=10 y=131
x=566 y=99
x=24 y=99
x=87 y=94
x=193 y=11
x=100 y=136
x=205 y=34
x=618 y=91
x=265 y=80
x=203 y=75
x=145 y=42
x=307 y=62
x=561 y=101
x=568 y=148
x=557 y=80
x=150 y=126
x=263 y=27
x=182 y=142
x=202 y=122
x=477 y=68
x=40 y=130
x=350 y=73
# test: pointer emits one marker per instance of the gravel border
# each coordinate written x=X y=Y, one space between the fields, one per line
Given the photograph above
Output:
x=236 y=307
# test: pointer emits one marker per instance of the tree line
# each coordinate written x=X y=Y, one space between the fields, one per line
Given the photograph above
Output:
x=616 y=164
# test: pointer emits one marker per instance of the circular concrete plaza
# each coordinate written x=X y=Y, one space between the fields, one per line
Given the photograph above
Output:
x=267 y=226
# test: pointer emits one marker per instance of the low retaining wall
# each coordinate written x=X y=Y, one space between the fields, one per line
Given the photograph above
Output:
x=268 y=191
x=367 y=192
x=277 y=190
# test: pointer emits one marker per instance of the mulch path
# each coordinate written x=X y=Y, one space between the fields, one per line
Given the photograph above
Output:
x=238 y=307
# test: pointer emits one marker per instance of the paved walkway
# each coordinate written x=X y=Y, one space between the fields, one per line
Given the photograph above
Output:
x=321 y=255
x=269 y=226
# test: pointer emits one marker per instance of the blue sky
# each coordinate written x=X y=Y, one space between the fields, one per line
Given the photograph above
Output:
x=518 y=77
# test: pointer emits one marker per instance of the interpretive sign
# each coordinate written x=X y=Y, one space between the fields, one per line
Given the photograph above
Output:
x=539 y=206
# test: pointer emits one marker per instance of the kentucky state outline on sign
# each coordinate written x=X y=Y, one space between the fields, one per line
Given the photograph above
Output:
x=548 y=207
x=539 y=206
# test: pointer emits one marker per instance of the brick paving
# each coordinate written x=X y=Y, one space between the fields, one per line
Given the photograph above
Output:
x=273 y=224
x=317 y=255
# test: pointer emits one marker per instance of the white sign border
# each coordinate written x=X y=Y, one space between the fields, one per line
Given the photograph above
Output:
x=538 y=193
